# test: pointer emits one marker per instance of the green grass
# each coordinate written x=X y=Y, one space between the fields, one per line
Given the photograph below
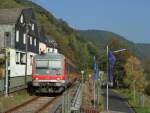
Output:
x=135 y=103
x=13 y=100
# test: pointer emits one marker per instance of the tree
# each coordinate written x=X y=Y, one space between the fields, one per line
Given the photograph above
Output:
x=121 y=58
x=147 y=74
x=147 y=69
x=135 y=75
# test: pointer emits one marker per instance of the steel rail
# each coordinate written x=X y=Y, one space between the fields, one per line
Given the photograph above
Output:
x=14 y=90
x=21 y=105
x=44 y=106
x=37 y=100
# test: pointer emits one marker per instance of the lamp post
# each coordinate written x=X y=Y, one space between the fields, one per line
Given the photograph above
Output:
x=107 y=77
x=120 y=50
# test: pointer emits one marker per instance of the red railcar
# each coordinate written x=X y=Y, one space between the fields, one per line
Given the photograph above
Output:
x=50 y=73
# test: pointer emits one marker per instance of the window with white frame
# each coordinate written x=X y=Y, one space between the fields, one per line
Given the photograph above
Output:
x=30 y=40
x=23 y=58
x=31 y=59
x=21 y=19
x=17 y=58
x=32 y=27
x=24 y=38
x=7 y=41
x=17 y=36
x=35 y=42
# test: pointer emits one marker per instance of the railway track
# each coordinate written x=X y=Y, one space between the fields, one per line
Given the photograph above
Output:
x=35 y=105
x=43 y=104
x=14 y=90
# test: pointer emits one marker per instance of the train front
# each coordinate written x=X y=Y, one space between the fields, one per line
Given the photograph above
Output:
x=48 y=73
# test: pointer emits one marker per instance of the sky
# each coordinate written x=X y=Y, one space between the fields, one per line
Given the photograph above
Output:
x=128 y=18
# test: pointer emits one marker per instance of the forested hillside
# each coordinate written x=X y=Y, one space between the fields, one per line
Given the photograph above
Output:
x=79 y=46
x=69 y=42
x=101 y=38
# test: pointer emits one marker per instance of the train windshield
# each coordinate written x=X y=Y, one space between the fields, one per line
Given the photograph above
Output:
x=48 y=67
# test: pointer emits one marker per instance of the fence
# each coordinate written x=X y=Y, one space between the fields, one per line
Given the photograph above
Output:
x=15 y=82
x=88 y=110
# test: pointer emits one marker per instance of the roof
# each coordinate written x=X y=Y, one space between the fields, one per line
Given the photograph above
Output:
x=10 y=16
x=51 y=42
x=47 y=39
x=50 y=56
x=42 y=37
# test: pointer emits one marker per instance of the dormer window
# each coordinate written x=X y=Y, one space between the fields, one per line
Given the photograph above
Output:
x=32 y=27
x=30 y=40
x=35 y=42
x=24 y=38
x=21 y=19
x=17 y=36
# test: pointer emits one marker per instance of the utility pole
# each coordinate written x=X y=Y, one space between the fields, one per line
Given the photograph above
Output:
x=6 y=73
x=6 y=67
x=98 y=90
x=94 y=94
x=107 y=76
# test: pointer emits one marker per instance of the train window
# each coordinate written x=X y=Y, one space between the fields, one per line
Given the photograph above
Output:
x=42 y=63
x=48 y=67
x=55 y=67
x=54 y=64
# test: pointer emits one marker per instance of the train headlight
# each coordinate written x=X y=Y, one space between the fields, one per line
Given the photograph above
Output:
x=36 y=78
x=58 y=78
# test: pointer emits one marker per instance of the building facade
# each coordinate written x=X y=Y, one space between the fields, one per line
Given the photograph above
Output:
x=19 y=35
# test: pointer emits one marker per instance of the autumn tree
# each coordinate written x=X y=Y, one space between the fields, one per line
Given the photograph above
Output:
x=147 y=74
x=135 y=75
x=147 y=68
x=121 y=58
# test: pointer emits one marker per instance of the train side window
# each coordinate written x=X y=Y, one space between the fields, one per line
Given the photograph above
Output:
x=17 y=58
x=22 y=58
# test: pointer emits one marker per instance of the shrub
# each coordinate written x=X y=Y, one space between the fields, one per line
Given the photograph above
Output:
x=148 y=89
